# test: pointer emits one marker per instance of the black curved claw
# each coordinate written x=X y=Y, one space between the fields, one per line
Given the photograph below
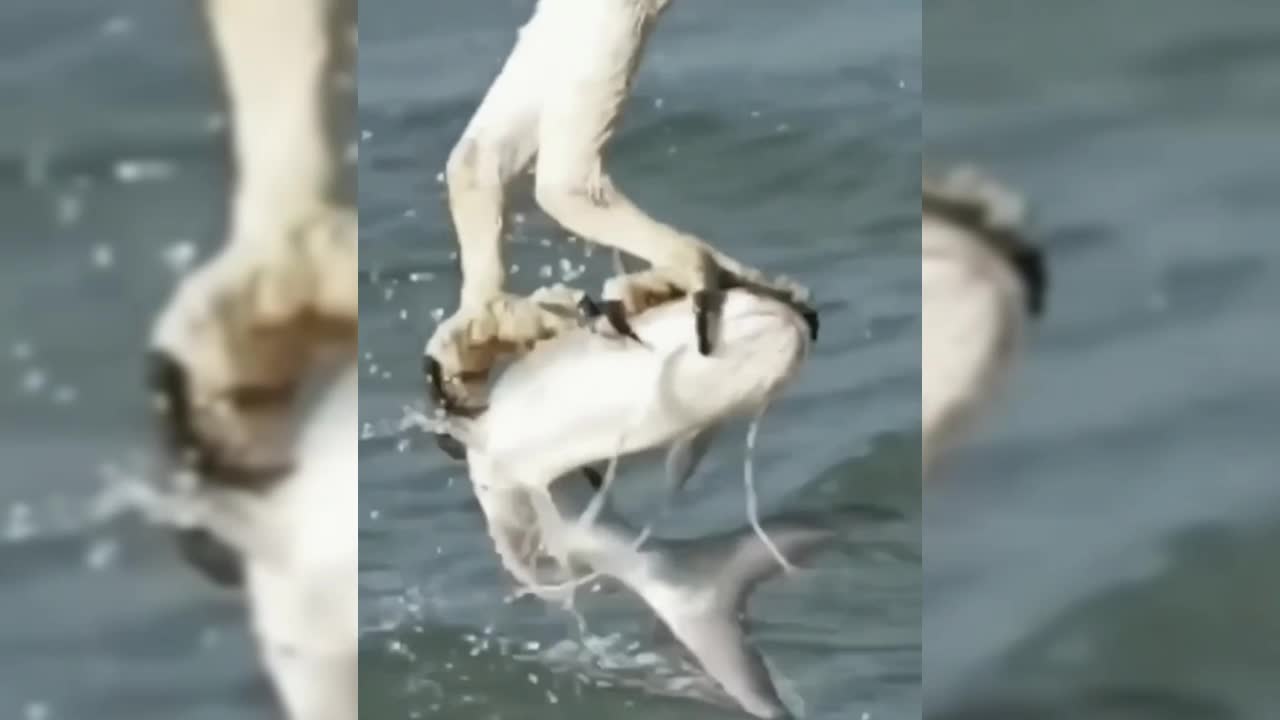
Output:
x=435 y=382
x=170 y=387
x=436 y=391
x=171 y=401
x=616 y=314
x=611 y=310
x=214 y=559
x=810 y=316
x=706 y=309
x=588 y=310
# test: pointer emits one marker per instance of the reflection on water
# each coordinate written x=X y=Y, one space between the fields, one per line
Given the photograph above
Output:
x=1107 y=550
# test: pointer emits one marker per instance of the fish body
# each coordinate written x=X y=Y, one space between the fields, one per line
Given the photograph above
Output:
x=584 y=398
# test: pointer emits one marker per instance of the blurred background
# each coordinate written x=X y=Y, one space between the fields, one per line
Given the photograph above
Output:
x=791 y=140
x=1108 y=549
x=112 y=181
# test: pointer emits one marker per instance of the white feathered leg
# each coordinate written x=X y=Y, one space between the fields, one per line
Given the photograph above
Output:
x=232 y=342
x=498 y=143
x=592 y=79
x=582 y=108
x=559 y=95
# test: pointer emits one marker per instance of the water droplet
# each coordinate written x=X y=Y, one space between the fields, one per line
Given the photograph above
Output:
x=102 y=554
x=103 y=256
x=33 y=381
x=137 y=171
x=19 y=524
x=68 y=209
x=180 y=255
x=117 y=26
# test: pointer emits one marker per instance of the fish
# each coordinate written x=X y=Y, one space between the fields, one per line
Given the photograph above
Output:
x=583 y=398
x=982 y=285
x=292 y=550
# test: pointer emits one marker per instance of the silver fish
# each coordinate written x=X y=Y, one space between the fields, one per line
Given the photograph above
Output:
x=584 y=398
x=698 y=589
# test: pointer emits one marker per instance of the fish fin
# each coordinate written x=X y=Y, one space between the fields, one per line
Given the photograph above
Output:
x=730 y=567
x=752 y=562
x=684 y=456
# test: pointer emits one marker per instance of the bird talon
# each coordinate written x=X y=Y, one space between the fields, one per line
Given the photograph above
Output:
x=706 y=304
x=184 y=446
x=435 y=382
x=441 y=398
x=616 y=313
x=588 y=309
x=810 y=316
